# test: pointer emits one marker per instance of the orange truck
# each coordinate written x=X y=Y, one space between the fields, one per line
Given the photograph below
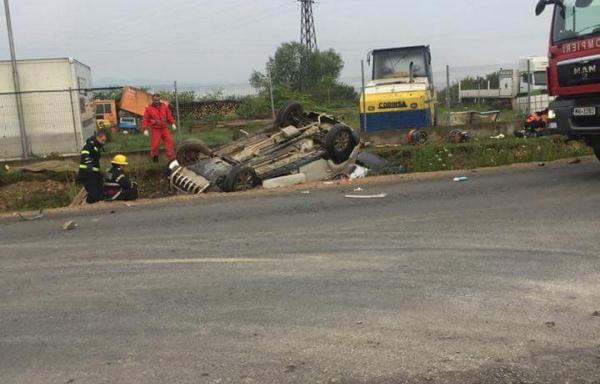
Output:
x=106 y=113
x=127 y=113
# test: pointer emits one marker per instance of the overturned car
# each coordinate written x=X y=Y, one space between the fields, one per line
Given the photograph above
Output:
x=307 y=146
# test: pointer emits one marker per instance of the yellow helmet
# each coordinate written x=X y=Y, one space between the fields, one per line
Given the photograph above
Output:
x=120 y=160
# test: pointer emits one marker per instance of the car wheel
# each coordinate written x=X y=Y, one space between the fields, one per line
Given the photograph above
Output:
x=290 y=113
x=240 y=178
x=339 y=143
x=192 y=150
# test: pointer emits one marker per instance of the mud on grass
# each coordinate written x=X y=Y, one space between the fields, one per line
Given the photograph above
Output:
x=33 y=195
x=22 y=191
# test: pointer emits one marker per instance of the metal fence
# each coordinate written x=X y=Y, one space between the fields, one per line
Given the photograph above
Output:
x=55 y=122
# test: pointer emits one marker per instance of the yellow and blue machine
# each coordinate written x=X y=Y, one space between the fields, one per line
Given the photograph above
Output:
x=401 y=94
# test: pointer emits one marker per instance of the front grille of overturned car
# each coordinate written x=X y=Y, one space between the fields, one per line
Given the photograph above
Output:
x=186 y=181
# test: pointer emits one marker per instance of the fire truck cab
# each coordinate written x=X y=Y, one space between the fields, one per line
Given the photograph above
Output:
x=574 y=69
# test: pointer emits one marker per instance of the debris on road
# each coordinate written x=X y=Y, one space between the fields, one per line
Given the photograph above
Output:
x=550 y=324
x=460 y=179
x=359 y=189
x=69 y=225
x=541 y=164
x=574 y=161
x=358 y=172
x=379 y=196
x=305 y=192
x=596 y=314
x=32 y=218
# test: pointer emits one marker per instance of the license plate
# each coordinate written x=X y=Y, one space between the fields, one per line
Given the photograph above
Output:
x=584 y=111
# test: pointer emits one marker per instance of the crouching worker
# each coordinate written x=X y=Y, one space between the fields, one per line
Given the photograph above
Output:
x=89 y=167
x=117 y=185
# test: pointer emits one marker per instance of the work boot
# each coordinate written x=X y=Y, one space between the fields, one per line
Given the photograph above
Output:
x=155 y=158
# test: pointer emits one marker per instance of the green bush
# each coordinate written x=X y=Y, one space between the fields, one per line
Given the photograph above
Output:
x=254 y=107
x=213 y=119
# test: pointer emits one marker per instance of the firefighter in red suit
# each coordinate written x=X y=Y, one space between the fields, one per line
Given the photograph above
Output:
x=157 y=118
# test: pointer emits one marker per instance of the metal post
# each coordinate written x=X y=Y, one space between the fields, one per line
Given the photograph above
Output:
x=528 y=86
x=271 y=90
x=364 y=97
x=26 y=150
x=179 y=127
x=74 y=121
x=448 y=95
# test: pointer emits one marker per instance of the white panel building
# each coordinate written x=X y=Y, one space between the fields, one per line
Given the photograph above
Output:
x=57 y=120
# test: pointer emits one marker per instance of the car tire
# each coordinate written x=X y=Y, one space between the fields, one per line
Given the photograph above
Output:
x=190 y=151
x=339 y=143
x=290 y=113
x=240 y=178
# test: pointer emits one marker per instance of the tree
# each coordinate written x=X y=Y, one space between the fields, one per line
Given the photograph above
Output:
x=304 y=74
x=294 y=67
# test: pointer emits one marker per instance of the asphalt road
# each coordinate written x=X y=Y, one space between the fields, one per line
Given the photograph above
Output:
x=495 y=280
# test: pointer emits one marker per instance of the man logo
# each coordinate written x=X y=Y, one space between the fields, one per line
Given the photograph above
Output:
x=585 y=70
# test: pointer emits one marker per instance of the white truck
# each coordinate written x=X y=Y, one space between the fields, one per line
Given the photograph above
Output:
x=533 y=75
x=58 y=113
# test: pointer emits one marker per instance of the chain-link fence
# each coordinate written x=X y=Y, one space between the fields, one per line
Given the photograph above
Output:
x=53 y=122
x=58 y=121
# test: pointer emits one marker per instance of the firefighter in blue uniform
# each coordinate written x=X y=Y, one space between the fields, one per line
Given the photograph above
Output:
x=117 y=185
x=89 y=167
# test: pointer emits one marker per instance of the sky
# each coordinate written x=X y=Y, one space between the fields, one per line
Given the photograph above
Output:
x=202 y=42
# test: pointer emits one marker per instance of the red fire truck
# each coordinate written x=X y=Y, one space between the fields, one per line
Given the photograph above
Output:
x=574 y=69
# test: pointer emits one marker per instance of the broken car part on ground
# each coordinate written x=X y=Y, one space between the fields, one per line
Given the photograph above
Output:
x=311 y=144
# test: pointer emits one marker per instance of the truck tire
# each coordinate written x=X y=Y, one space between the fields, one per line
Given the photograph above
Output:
x=190 y=151
x=339 y=143
x=290 y=113
x=240 y=178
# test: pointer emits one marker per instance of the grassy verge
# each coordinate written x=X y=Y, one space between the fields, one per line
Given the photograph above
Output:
x=26 y=191
x=481 y=153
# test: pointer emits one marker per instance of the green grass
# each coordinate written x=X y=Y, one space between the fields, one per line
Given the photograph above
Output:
x=212 y=136
x=481 y=153
x=24 y=191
